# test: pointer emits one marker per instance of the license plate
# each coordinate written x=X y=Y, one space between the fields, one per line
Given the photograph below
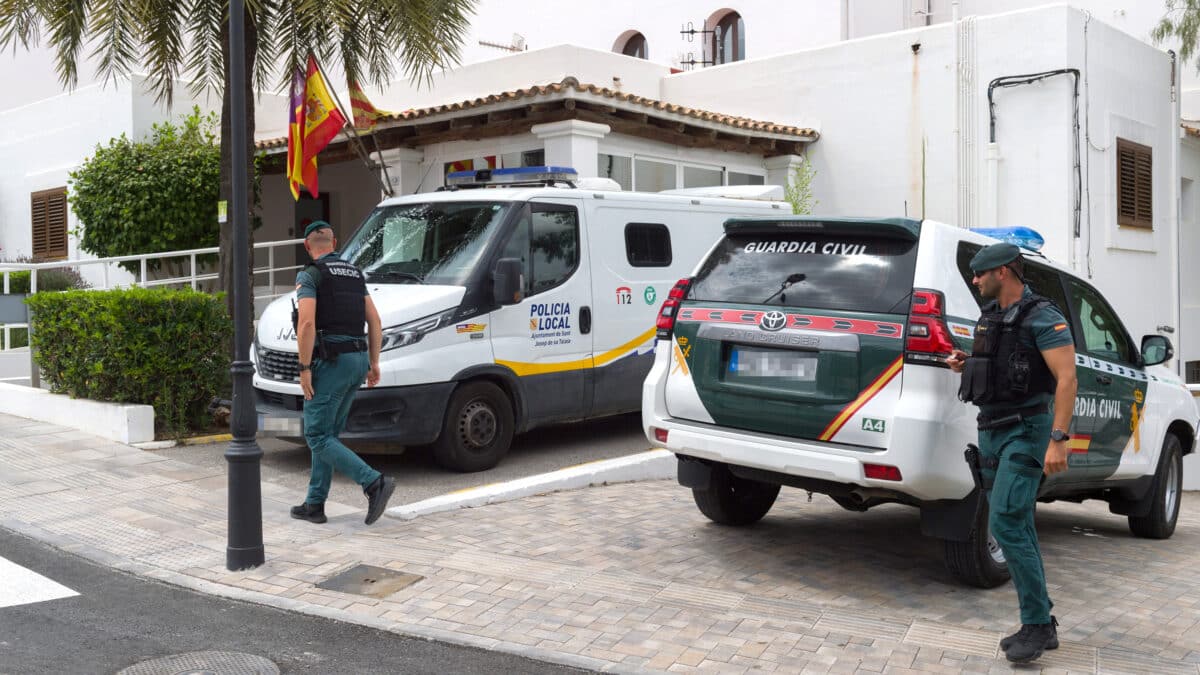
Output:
x=748 y=362
x=280 y=426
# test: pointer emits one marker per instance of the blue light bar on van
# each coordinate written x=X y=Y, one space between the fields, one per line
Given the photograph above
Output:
x=1024 y=237
x=520 y=174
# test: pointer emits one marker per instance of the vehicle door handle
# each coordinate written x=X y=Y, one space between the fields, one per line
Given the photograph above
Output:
x=1104 y=379
x=585 y=320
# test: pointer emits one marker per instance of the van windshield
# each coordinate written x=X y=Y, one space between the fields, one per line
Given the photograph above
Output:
x=431 y=243
x=850 y=273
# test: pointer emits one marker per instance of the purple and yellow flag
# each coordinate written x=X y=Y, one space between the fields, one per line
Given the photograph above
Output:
x=295 y=148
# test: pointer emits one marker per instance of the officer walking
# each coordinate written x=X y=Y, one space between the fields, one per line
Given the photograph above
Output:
x=335 y=357
x=1021 y=374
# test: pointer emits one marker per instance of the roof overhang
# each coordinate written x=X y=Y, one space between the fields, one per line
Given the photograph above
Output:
x=515 y=112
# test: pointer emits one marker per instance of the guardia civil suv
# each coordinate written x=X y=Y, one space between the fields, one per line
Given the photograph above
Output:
x=809 y=353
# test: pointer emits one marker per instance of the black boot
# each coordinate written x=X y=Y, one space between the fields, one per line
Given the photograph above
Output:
x=313 y=513
x=1052 y=644
x=1031 y=641
x=378 y=494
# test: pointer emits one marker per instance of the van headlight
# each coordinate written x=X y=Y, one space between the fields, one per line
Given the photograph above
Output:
x=411 y=333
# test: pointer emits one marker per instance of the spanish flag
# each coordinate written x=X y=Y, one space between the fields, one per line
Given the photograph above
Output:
x=295 y=133
x=365 y=114
x=322 y=121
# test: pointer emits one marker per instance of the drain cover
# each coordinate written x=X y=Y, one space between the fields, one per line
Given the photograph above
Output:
x=204 y=663
x=371 y=581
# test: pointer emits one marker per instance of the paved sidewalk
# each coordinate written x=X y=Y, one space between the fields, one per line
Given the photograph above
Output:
x=626 y=578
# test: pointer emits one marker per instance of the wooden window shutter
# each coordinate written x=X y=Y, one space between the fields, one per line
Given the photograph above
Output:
x=1135 y=184
x=49 y=215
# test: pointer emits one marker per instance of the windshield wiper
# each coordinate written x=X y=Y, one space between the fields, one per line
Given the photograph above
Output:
x=381 y=275
x=787 y=283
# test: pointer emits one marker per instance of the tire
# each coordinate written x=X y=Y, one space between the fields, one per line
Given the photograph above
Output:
x=1164 y=496
x=478 y=428
x=977 y=562
x=730 y=500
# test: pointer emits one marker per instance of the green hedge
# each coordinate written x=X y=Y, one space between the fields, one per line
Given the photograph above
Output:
x=166 y=348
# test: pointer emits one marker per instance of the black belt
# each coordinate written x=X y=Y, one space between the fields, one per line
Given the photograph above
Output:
x=1008 y=418
x=335 y=348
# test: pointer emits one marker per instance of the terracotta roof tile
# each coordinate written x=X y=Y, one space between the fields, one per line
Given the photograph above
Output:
x=570 y=85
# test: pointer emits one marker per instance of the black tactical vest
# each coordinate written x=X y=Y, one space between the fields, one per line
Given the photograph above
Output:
x=1001 y=369
x=341 y=303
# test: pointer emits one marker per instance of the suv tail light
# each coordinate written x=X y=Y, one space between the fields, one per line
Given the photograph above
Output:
x=929 y=340
x=670 y=308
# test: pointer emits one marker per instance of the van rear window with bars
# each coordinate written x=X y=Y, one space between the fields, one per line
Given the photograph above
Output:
x=1135 y=163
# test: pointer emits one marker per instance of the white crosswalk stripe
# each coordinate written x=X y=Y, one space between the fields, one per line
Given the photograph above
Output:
x=20 y=586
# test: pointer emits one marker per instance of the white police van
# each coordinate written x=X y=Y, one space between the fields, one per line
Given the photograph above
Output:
x=809 y=352
x=529 y=303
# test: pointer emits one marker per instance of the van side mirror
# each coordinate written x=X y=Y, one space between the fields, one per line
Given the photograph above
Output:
x=508 y=281
x=1156 y=349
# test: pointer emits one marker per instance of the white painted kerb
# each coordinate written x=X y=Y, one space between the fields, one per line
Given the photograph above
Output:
x=122 y=422
x=652 y=465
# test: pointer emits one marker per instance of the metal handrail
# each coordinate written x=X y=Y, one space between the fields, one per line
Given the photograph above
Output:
x=192 y=278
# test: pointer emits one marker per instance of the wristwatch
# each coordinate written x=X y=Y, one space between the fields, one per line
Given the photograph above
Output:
x=1059 y=435
x=305 y=366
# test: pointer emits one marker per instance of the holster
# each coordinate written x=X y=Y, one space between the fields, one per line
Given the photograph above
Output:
x=976 y=461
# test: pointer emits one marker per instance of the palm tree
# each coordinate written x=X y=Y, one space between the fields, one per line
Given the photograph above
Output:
x=189 y=39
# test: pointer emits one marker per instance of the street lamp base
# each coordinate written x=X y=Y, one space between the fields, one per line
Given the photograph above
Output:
x=237 y=559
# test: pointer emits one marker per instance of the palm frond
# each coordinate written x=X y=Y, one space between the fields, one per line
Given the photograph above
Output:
x=20 y=23
x=206 y=64
x=67 y=24
x=114 y=27
x=161 y=23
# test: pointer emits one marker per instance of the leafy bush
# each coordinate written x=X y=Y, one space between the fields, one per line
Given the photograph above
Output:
x=166 y=348
x=160 y=195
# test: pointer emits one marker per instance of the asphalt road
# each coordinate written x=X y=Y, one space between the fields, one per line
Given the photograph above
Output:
x=118 y=620
x=418 y=477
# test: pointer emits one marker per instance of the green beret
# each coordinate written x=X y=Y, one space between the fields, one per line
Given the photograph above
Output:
x=314 y=226
x=996 y=255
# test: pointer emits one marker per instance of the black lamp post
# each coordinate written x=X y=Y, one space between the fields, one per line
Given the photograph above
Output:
x=245 y=546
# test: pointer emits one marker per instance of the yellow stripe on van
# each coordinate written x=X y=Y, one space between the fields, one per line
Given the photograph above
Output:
x=524 y=369
x=866 y=395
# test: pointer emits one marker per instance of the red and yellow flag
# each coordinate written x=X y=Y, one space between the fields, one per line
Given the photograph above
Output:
x=322 y=121
x=295 y=145
x=365 y=114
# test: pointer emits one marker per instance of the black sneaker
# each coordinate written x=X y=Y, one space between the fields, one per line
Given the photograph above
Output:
x=378 y=494
x=1031 y=641
x=313 y=513
x=1052 y=644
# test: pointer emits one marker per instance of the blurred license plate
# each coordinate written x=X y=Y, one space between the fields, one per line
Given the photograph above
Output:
x=748 y=362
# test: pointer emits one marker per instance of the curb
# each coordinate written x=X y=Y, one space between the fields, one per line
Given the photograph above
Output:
x=651 y=465
x=201 y=440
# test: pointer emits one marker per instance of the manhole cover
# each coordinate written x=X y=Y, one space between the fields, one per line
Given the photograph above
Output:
x=371 y=581
x=204 y=663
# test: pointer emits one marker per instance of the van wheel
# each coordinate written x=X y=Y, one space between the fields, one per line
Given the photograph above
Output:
x=478 y=429
x=1159 y=523
x=730 y=500
x=978 y=561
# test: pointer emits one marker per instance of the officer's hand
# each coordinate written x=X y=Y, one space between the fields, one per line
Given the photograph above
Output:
x=956 y=360
x=1056 y=458
x=306 y=384
x=373 y=375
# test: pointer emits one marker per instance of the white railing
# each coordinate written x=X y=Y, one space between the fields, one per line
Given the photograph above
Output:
x=193 y=277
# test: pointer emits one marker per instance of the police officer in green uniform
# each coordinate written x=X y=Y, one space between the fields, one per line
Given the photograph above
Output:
x=336 y=355
x=1021 y=374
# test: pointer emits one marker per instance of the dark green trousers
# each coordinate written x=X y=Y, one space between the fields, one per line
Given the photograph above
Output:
x=1021 y=449
x=334 y=385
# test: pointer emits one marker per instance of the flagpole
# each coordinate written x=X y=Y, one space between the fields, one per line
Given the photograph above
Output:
x=387 y=188
x=382 y=161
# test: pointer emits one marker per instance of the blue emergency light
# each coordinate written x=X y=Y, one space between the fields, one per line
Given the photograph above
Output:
x=1024 y=237
x=543 y=175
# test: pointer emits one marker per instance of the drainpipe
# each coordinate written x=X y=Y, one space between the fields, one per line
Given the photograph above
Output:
x=1176 y=209
x=958 y=143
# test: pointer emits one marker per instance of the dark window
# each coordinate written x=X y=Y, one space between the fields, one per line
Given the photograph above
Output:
x=1103 y=335
x=635 y=46
x=1193 y=372
x=1135 y=194
x=49 y=218
x=1041 y=279
x=547 y=241
x=648 y=245
x=729 y=39
x=823 y=271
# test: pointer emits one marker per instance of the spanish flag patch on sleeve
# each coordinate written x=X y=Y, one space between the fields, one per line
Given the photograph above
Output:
x=1060 y=326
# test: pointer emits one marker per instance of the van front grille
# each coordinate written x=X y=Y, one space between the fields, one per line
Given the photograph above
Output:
x=279 y=366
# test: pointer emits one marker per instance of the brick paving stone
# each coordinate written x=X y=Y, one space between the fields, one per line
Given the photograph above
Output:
x=632 y=574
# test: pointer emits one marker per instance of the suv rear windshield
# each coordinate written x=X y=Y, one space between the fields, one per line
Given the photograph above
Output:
x=852 y=273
